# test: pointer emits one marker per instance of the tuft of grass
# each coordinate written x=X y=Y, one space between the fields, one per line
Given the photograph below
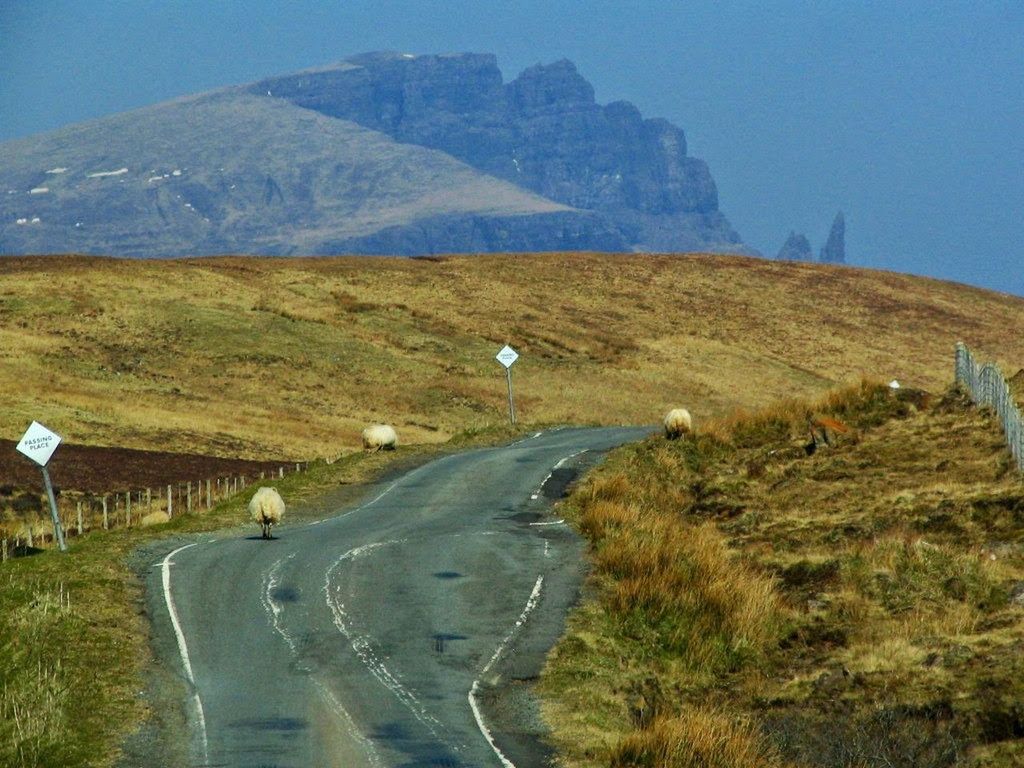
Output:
x=696 y=738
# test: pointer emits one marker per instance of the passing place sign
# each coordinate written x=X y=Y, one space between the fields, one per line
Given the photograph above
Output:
x=39 y=443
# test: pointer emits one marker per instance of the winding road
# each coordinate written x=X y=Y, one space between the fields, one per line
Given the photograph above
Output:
x=390 y=634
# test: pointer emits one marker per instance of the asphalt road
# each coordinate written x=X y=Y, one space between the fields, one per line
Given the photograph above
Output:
x=390 y=634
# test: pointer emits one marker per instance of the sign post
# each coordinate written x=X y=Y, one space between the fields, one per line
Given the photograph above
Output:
x=506 y=357
x=39 y=443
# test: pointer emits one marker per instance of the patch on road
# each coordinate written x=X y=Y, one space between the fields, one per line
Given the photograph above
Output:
x=441 y=641
x=285 y=594
x=557 y=486
x=285 y=724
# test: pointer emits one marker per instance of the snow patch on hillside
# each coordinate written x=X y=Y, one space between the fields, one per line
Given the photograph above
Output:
x=103 y=174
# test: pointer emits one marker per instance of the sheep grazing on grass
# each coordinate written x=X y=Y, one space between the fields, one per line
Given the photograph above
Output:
x=267 y=508
x=677 y=423
x=379 y=437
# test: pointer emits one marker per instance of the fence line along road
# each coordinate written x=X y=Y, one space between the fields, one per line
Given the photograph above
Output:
x=988 y=387
x=85 y=512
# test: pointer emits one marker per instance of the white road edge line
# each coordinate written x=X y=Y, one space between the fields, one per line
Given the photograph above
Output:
x=526 y=439
x=531 y=603
x=183 y=647
x=549 y=522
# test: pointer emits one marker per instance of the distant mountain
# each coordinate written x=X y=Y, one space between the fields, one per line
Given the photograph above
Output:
x=382 y=153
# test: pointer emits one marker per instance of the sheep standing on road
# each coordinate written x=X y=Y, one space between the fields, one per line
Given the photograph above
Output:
x=266 y=507
x=379 y=437
x=677 y=423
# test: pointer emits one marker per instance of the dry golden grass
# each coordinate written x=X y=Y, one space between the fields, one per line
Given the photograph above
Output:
x=860 y=606
x=696 y=738
x=292 y=357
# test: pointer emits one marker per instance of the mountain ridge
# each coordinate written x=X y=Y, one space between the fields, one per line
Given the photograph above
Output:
x=377 y=154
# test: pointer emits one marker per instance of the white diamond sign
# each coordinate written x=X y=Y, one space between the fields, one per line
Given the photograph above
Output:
x=39 y=443
x=507 y=356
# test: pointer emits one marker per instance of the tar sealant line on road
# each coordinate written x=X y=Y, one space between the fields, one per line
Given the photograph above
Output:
x=364 y=651
x=531 y=603
x=274 y=611
x=183 y=648
x=270 y=605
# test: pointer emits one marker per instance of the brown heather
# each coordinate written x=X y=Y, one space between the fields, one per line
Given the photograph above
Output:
x=753 y=605
x=696 y=738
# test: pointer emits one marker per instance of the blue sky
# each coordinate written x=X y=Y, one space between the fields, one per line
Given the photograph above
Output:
x=906 y=115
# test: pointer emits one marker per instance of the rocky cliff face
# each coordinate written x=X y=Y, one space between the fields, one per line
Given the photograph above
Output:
x=543 y=131
x=834 y=250
x=382 y=153
x=796 y=248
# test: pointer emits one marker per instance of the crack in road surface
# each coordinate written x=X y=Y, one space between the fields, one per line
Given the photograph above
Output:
x=383 y=638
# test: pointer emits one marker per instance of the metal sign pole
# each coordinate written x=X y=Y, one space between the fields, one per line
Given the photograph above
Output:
x=511 y=402
x=58 y=530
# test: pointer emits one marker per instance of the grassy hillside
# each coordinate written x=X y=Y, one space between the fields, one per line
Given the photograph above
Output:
x=228 y=171
x=270 y=358
x=753 y=605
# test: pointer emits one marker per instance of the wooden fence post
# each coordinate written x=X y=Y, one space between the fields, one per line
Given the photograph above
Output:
x=106 y=523
x=188 y=498
x=149 y=500
x=31 y=543
x=209 y=498
x=128 y=509
x=296 y=467
x=79 y=511
x=170 y=502
x=280 y=472
x=5 y=551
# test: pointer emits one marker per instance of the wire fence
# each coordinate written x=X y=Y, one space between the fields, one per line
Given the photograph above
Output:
x=81 y=513
x=987 y=386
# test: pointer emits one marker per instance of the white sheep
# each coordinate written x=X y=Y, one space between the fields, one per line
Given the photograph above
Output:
x=266 y=507
x=677 y=423
x=379 y=437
